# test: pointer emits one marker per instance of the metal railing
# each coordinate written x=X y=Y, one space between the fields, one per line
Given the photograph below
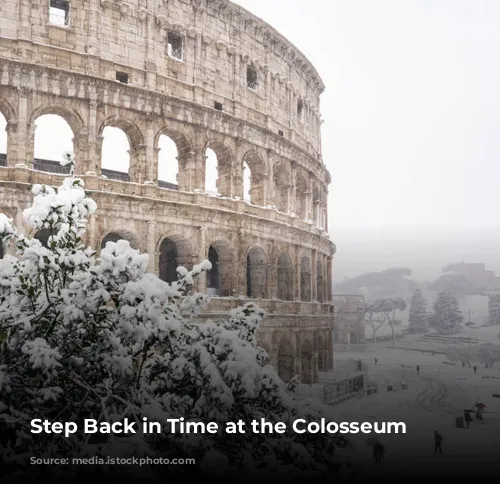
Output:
x=115 y=175
x=51 y=166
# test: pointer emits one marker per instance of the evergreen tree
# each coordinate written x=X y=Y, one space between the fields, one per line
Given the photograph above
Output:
x=447 y=317
x=418 y=318
x=87 y=337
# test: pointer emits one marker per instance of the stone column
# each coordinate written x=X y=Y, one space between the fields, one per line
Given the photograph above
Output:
x=298 y=271
x=314 y=275
x=201 y=280
x=151 y=245
x=137 y=170
x=20 y=142
x=329 y=279
x=187 y=171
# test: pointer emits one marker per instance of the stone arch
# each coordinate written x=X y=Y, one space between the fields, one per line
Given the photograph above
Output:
x=258 y=173
x=73 y=119
x=301 y=192
x=305 y=279
x=131 y=130
x=224 y=165
x=220 y=276
x=285 y=276
x=185 y=150
x=256 y=270
x=320 y=282
x=286 y=357
x=306 y=362
x=281 y=181
x=119 y=234
x=7 y=110
x=174 y=251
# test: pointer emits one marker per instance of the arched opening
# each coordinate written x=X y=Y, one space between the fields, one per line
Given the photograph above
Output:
x=220 y=276
x=43 y=235
x=257 y=273
x=285 y=277
x=301 y=197
x=211 y=172
x=320 y=282
x=305 y=279
x=218 y=160
x=115 y=155
x=281 y=188
x=175 y=251
x=3 y=140
x=115 y=237
x=285 y=361
x=49 y=149
x=247 y=183
x=306 y=363
x=254 y=175
x=168 y=164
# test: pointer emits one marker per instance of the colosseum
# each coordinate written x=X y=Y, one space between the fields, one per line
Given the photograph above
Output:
x=223 y=87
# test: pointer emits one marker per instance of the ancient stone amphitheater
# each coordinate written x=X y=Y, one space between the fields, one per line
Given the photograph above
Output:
x=210 y=76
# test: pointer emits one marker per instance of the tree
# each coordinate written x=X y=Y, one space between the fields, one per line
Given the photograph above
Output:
x=90 y=337
x=418 y=318
x=375 y=316
x=447 y=317
x=389 y=308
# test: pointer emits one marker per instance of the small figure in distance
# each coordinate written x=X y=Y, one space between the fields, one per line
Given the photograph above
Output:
x=438 y=439
x=418 y=369
x=378 y=452
x=467 y=418
x=376 y=361
x=475 y=369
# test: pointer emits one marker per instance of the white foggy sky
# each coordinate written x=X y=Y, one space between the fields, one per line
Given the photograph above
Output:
x=412 y=124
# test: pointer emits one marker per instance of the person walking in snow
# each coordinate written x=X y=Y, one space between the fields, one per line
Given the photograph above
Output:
x=376 y=361
x=418 y=369
x=475 y=370
x=438 y=439
x=467 y=418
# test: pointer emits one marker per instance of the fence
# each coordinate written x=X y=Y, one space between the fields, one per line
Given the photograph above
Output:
x=341 y=390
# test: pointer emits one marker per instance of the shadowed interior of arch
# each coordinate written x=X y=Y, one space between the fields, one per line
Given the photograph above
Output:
x=175 y=251
x=116 y=236
x=286 y=360
x=220 y=276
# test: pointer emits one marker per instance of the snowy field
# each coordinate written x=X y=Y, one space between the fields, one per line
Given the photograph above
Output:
x=433 y=400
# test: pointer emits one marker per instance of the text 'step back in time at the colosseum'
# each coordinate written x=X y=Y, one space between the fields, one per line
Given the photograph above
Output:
x=239 y=106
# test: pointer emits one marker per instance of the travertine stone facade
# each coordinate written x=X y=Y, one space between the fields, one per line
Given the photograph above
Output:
x=208 y=74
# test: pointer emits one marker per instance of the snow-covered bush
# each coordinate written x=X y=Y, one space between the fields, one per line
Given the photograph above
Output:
x=99 y=337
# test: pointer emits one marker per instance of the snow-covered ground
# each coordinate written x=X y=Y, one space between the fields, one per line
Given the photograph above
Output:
x=433 y=400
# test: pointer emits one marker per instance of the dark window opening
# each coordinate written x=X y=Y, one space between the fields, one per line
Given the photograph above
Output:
x=251 y=78
x=300 y=108
x=59 y=12
x=280 y=132
x=218 y=106
x=122 y=77
x=168 y=261
x=175 y=46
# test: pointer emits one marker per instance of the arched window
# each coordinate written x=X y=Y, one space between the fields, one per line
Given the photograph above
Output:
x=168 y=261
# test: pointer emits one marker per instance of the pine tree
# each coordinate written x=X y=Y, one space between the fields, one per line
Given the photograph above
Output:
x=87 y=337
x=447 y=317
x=418 y=318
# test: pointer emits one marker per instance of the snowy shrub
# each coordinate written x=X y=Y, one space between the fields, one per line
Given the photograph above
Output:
x=99 y=337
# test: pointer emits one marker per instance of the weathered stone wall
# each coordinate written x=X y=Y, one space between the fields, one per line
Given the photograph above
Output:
x=276 y=248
